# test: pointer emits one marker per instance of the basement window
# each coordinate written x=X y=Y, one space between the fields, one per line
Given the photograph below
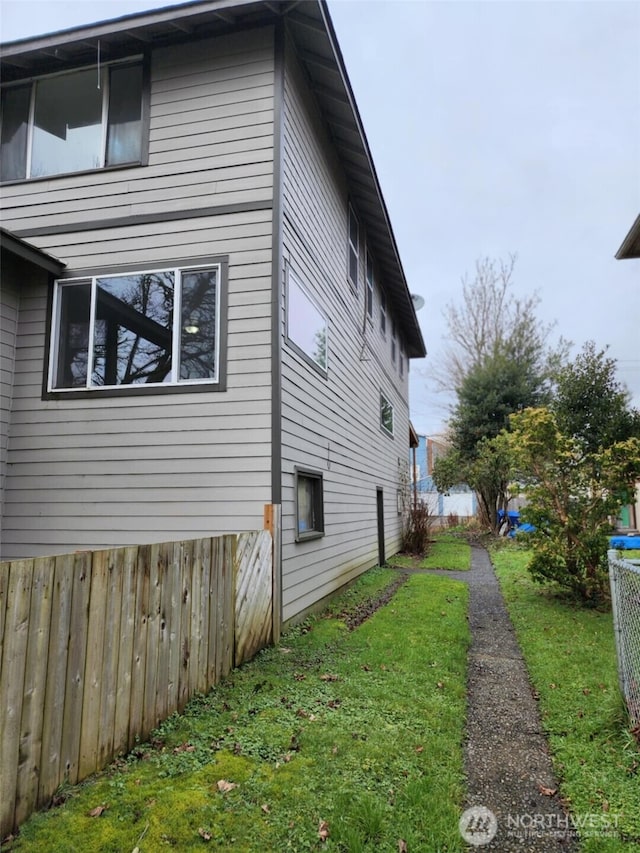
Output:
x=309 y=505
x=148 y=328
x=73 y=122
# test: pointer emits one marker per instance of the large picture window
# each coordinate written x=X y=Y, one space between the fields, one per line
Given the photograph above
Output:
x=307 y=326
x=72 y=122
x=159 y=327
x=309 y=505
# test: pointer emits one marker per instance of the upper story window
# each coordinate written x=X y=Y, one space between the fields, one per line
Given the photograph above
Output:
x=354 y=248
x=394 y=341
x=369 y=286
x=72 y=122
x=159 y=327
x=307 y=327
x=383 y=312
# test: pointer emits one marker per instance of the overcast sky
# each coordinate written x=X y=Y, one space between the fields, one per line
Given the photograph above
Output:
x=495 y=128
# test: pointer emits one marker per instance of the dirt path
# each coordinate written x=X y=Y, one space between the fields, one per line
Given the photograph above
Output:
x=511 y=789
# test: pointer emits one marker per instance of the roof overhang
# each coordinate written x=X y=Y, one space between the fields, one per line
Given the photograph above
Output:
x=631 y=244
x=312 y=32
x=21 y=249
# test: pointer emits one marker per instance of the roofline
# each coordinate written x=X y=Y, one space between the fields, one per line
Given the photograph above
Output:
x=123 y=23
x=361 y=177
x=19 y=247
x=630 y=247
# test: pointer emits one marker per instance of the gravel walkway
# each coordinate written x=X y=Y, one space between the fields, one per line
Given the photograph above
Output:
x=507 y=761
x=506 y=756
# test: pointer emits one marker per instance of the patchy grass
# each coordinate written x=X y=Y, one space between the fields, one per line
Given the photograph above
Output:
x=336 y=740
x=447 y=551
x=570 y=654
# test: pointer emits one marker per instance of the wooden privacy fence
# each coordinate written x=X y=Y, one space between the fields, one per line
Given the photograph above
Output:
x=98 y=647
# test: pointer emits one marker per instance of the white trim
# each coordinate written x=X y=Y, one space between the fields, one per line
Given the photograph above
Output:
x=174 y=380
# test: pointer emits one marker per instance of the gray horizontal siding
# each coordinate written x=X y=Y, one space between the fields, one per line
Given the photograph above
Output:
x=332 y=424
x=210 y=143
x=99 y=472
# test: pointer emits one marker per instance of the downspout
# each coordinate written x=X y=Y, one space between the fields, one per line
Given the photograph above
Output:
x=276 y=323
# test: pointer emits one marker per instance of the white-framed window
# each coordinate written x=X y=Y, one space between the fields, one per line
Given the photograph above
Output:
x=383 y=313
x=143 y=328
x=386 y=414
x=307 y=326
x=369 y=277
x=73 y=121
x=309 y=504
x=354 y=247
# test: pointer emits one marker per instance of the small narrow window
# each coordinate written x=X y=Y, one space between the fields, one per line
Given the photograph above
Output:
x=383 y=313
x=394 y=341
x=309 y=505
x=386 y=415
x=369 y=286
x=353 y=248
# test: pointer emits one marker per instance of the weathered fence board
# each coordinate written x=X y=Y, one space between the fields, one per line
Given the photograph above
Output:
x=97 y=648
x=253 y=599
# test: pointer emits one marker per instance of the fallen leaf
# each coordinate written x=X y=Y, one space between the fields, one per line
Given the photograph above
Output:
x=605 y=805
x=224 y=786
x=553 y=686
x=328 y=677
x=586 y=691
x=402 y=846
x=334 y=750
x=323 y=830
x=184 y=747
x=366 y=668
x=302 y=713
x=206 y=836
x=547 y=792
x=284 y=650
x=98 y=811
x=439 y=685
x=419 y=749
x=299 y=676
x=265 y=808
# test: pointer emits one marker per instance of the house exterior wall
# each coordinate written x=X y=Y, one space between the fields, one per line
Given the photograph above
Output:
x=106 y=471
x=9 y=309
x=331 y=423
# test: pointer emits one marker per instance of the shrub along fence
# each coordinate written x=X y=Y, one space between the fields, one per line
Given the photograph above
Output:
x=98 y=647
x=624 y=576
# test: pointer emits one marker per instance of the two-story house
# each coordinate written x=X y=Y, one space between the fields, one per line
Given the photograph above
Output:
x=203 y=306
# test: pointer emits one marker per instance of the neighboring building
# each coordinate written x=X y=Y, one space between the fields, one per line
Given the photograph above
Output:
x=204 y=310
x=460 y=502
x=630 y=516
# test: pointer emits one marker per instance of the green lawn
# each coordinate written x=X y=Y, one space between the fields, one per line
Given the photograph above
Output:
x=447 y=551
x=335 y=740
x=571 y=658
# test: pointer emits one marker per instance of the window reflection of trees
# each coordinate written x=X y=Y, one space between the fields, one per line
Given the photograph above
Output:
x=198 y=326
x=133 y=330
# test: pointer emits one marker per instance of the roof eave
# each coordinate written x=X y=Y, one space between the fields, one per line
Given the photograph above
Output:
x=21 y=249
x=630 y=247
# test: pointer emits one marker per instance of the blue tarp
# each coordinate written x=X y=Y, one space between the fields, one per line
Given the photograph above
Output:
x=624 y=543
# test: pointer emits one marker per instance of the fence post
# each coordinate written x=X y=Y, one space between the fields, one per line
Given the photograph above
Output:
x=614 y=582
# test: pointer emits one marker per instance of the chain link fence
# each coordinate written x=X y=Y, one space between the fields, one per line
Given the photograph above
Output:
x=624 y=576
